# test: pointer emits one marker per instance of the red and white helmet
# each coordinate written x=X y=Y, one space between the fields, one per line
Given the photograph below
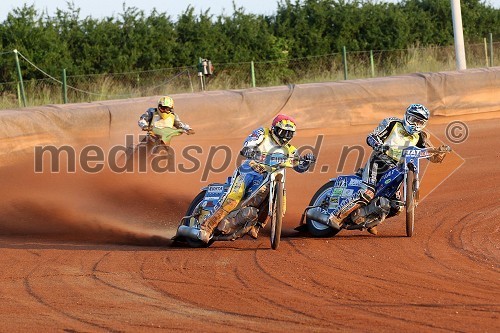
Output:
x=283 y=128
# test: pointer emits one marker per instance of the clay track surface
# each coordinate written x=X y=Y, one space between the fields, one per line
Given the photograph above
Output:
x=91 y=253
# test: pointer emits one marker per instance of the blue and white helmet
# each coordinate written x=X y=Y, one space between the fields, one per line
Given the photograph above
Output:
x=416 y=118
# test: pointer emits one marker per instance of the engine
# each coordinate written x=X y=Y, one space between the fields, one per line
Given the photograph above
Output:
x=377 y=209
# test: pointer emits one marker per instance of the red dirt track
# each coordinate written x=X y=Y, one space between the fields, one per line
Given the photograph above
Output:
x=92 y=252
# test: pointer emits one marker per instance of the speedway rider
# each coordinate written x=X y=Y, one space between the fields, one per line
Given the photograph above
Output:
x=387 y=140
x=251 y=173
x=162 y=119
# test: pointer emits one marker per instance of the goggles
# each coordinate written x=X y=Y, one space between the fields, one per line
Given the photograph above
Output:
x=164 y=109
x=416 y=121
x=284 y=134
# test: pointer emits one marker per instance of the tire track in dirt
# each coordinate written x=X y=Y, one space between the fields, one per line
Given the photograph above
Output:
x=452 y=261
x=386 y=282
x=354 y=304
x=189 y=307
x=46 y=303
x=472 y=242
x=96 y=271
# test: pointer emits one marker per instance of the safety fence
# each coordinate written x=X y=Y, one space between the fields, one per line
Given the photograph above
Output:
x=60 y=88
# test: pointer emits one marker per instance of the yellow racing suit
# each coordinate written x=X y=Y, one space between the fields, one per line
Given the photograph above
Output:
x=249 y=177
x=161 y=123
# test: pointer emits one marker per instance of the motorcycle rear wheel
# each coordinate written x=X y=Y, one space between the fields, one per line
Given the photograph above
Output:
x=315 y=228
x=410 y=203
x=192 y=222
x=277 y=218
x=131 y=153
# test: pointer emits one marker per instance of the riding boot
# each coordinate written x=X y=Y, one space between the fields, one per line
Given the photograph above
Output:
x=209 y=225
x=338 y=217
x=254 y=232
x=361 y=198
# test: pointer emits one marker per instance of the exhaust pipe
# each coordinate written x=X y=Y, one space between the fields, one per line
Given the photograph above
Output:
x=316 y=215
x=189 y=232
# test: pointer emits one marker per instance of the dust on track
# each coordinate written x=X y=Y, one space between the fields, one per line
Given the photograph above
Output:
x=105 y=207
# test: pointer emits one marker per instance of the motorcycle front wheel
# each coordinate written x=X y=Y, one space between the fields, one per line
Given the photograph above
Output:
x=410 y=203
x=193 y=221
x=277 y=218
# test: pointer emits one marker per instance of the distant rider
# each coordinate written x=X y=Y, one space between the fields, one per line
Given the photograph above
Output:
x=251 y=174
x=162 y=119
x=387 y=140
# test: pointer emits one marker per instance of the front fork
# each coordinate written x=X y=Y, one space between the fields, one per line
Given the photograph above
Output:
x=278 y=176
x=416 y=184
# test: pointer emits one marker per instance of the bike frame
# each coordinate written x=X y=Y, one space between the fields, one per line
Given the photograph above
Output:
x=338 y=190
x=391 y=181
x=212 y=197
x=412 y=156
x=275 y=176
x=217 y=192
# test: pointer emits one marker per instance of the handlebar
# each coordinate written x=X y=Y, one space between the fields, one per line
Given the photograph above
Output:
x=277 y=159
x=149 y=130
x=434 y=150
x=424 y=152
x=443 y=149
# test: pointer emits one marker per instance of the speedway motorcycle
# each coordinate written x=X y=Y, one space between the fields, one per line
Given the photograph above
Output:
x=153 y=144
x=271 y=207
x=404 y=177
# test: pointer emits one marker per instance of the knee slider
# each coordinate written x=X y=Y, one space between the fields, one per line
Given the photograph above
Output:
x=249 y=213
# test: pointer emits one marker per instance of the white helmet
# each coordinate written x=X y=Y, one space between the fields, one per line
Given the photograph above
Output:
x=416 y=118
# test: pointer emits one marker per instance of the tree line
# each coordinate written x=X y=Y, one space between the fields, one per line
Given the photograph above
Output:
x=136 y=41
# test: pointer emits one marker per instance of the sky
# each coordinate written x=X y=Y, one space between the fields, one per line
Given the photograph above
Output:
x=107 y=8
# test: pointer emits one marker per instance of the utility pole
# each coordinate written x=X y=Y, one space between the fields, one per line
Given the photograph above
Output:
x=456 y=15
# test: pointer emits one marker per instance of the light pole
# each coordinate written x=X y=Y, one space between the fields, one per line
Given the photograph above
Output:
x=456 y=15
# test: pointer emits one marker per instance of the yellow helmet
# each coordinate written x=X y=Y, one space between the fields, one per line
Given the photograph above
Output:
x=166 y=102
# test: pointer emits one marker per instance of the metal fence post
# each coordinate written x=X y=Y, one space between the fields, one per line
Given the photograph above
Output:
x=19 y=99
x=486 y=52
x=20 y=77
x=252 y=69
x=491 y=49
x=64 y=87
x=344 y=60
x=200 y=74
x=372 y=64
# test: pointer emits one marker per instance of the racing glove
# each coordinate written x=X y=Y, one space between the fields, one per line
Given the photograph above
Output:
x=187 y=129
x=306 y=160
x=381 y=148
x=438 y=158
x=248 y=152
x=143 y=124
